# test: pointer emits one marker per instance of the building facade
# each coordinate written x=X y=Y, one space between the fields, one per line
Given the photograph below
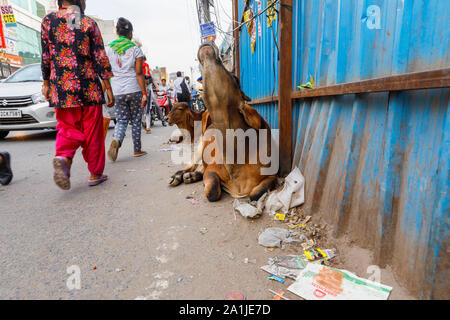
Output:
x=23 y=41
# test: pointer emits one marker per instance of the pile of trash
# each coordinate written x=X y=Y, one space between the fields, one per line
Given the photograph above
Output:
x=314 y=281
x=311 y=269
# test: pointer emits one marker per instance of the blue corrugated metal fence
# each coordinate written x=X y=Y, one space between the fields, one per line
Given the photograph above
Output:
x=376 y=165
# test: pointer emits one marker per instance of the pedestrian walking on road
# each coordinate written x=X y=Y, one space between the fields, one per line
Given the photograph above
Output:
x=6 y=174
x=73 y=62
x=181 y=90
x=129 y=88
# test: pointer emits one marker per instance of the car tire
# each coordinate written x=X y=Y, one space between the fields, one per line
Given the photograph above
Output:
x=3 y=134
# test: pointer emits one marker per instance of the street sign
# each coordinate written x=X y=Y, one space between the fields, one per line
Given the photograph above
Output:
x=208 y=30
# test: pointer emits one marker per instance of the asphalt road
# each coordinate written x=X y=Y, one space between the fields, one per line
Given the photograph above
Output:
x=133 y=237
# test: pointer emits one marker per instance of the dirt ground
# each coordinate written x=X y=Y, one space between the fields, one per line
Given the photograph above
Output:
x=134 y=237
x=233 y=241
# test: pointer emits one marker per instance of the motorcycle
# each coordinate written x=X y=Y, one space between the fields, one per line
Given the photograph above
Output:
x=198 y=105
x=165 y=101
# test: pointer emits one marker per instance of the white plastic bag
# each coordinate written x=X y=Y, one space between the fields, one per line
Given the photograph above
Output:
x=274 y=237
x=292 y=195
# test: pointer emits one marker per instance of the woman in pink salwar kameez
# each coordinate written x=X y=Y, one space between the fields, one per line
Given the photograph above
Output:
x=73 y=62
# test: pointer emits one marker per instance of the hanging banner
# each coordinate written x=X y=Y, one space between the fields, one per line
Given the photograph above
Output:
x=259 y=19
x=271 y=13
x=253 y=40
x=248 y=16
x=8 y=16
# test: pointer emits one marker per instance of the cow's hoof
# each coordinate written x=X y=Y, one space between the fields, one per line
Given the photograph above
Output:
x=213 y=197
x=192 y=177
x=176 y=179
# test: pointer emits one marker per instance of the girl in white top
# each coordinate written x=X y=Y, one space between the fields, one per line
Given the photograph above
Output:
x=128 y=86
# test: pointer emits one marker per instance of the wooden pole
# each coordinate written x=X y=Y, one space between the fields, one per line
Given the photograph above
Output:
x=285 y=87
x=237 y=61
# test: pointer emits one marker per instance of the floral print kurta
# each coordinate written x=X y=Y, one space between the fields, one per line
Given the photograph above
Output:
x=73 y=59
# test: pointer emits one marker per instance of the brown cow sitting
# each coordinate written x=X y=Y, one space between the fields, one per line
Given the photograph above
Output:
x=184 y=118
x=227 y=110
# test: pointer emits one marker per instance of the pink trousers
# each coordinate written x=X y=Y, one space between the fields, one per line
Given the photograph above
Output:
x=82 y=127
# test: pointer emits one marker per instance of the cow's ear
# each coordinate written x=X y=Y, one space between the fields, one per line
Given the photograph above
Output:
x=251 y=116
x=245 y=97
x=206 y=121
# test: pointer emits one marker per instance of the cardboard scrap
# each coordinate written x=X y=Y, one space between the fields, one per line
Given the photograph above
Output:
x=317 y=282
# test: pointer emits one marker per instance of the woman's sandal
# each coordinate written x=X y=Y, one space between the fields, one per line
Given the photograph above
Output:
x=93 y=183
x=113 y=150
x=61 y=175
x=139 y=154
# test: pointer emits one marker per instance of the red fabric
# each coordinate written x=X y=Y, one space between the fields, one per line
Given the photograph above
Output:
x=147 y=69
x=82 y=127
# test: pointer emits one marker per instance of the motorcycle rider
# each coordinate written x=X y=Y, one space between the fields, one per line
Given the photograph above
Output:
x=158 y=110
x=164 y=86
x=148 y=109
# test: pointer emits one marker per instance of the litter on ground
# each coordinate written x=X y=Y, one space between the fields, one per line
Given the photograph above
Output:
x=279 y=217
x=275 y=237
x=317 y=282
x=275 y=278
x=279 y=295
x=291 y=196
x=249 y=210
x=285 y=266
x=234 y=296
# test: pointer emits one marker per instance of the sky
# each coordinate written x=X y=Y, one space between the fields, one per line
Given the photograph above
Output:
x=168 y=29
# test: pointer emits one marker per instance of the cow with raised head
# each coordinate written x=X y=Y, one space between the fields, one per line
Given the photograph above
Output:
x=227 y=110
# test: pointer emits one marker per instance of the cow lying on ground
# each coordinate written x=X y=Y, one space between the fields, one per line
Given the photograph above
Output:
x=227 y=109
x=184 y=118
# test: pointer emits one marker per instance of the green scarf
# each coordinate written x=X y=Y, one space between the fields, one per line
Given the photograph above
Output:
x=122 y=44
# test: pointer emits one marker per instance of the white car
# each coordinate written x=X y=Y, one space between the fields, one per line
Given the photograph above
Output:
x=22 y=105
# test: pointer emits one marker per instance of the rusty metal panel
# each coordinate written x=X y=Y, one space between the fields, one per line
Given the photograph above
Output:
x=377 y=168
x=339 y=41
x=377 y=165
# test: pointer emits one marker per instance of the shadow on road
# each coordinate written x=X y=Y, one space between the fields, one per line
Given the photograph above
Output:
x=47 y=135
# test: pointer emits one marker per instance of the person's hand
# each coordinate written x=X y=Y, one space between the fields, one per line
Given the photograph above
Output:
x=46 y=91
x=144 y=101
x=111 y=99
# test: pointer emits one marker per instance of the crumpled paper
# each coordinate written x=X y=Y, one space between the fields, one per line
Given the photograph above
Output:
x=250 y=210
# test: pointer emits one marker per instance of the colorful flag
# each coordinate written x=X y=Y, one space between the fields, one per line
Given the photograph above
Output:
x=271 y=13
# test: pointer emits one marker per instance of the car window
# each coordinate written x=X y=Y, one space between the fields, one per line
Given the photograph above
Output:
x=26 y=74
